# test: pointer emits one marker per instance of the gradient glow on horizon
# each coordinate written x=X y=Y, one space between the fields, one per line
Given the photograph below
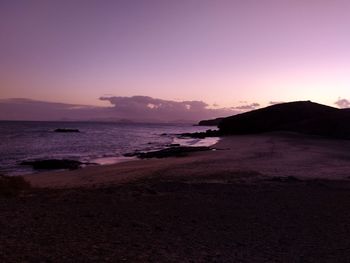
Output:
x=221 y=52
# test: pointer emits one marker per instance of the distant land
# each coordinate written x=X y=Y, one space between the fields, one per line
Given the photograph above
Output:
x=300 y=116
x=134 y=109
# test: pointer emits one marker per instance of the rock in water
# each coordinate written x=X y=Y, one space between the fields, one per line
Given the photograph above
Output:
x=53 y=164
x=169 y=152
x=66 y=130
x=201 y=135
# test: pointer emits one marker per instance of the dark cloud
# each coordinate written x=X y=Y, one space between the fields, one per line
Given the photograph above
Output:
x=342 y=103
x=144 y=108
x=247 y=107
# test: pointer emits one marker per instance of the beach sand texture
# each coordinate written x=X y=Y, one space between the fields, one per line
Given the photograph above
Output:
x=228 y=205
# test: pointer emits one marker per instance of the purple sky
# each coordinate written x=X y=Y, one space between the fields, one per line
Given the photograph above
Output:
x=229 y=53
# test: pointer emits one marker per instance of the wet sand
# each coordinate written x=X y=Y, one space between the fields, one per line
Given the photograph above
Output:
x=234 y=204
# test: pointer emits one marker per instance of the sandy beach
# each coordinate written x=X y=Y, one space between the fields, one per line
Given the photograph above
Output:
x=256 y=198
x=272 y=155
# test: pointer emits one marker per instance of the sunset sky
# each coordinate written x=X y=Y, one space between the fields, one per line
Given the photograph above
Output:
x=227 y=53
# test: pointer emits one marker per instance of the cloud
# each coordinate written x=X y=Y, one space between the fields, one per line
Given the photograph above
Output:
x=26 y=109
x=342 y=103
x=251 y=106
x=136 y=108
x=144 y=108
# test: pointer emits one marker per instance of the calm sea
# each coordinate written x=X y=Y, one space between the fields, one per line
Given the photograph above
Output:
x=103 y=143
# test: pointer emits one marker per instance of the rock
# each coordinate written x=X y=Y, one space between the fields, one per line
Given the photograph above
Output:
x=202 y=135
x=168 y=152
x=12 y=185
x=131 y=154
x=53 y=164
x=66 y=130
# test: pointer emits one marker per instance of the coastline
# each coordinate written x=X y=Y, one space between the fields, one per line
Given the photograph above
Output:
x=235 y=204
x=96 y=143
x=270 y=155
x=255 y=199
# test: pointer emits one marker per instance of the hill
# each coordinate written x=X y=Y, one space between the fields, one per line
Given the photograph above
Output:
x=301 y=116
x=213 y=122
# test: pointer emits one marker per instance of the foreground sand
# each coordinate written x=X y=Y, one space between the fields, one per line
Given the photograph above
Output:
x=228 y=205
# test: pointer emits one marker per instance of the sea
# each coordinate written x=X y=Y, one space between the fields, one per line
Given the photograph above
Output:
x=97 y=142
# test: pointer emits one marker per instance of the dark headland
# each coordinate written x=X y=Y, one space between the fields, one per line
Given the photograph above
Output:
x=213 y=122
x=262 y=196
x=303 y=117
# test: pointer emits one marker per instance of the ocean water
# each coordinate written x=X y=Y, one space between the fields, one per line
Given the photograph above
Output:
x=102 y=143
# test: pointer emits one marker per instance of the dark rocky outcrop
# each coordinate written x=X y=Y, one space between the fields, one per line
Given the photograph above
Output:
x=169 y=152
x=201 y=135
x=302 y=116
x=174 y=145
x=213 y=122
x=53 y=164
x=12 y=185
x=66 y=130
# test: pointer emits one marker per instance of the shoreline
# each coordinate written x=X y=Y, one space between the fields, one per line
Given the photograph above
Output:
x=266 y=198
x=30 y=142
x=178 y=141
x=120 y=158
x=271 y=155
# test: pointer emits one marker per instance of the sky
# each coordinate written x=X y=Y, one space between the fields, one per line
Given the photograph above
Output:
x=223 y=53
